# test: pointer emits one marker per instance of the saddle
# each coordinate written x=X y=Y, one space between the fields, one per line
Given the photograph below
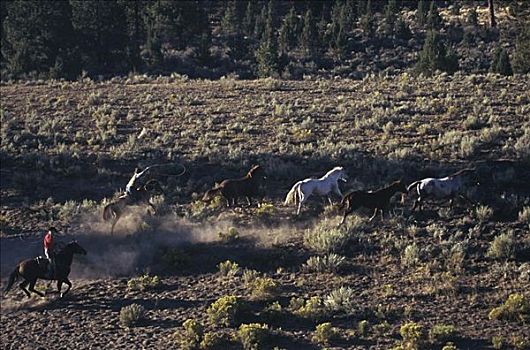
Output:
x=46 y=265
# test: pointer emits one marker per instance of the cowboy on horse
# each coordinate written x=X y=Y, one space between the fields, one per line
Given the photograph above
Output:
x=49 y=247
x=131 y=190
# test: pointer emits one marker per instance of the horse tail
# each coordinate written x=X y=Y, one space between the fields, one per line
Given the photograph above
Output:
x=412 y=185
x=12 y=278
x=109 y=211
x=345 y=202
x=210 y=194
x=292 y=195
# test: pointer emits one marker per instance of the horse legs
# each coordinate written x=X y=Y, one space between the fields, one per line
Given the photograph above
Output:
x=22 y=286
x=32 y=288
x=375 y=214
x=301 y=201
x=114 y=222
x=152 y=206
x=68 y=283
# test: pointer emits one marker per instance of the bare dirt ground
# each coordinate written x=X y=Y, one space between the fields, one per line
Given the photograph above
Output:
x=68 y=148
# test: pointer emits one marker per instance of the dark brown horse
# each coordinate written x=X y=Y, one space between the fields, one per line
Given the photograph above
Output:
x=232 y=189
x=113 y=211
x=32 y=269
x=377 y=200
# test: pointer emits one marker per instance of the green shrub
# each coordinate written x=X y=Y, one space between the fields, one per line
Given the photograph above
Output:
x=190 y=336
x=325 y=332
x=312 y=308
x=362 y=327
x=483 y=213
x=265 y=210
x=224 y=311
x=502 y=247
x=412 y=334
x=230 y=236
x=143 y=282
x=340 y=300
x=228 y=268
x=253 y=336
x=326 y=238
x=442 y=333
x=330 y=263
x=410 y=256
x=213 y=340
x=497 y=342
x=263 y=288
x=449 y=346
x=131 y=315
x=520 y=342
x=174 y=258
x=516 y=307
x=249 y=276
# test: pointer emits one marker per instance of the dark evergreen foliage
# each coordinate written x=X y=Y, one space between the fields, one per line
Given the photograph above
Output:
x=434 y=56
x=69 y=38
x=501 y=62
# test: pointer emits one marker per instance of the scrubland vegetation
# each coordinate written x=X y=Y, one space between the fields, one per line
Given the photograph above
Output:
x=446 y=277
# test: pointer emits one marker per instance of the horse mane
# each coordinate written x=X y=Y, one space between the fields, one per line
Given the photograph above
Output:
x=337 y=168
x=253 y=170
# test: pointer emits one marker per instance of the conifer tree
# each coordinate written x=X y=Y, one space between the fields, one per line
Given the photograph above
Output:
x=102 y=29
x=390 y=17
x=434 y=20
x=267 y=53
x=434 y=56
x=501 y=62
x=367 y=20
x=248 y=20
x=288 y=32
x=309 y=40
x=38 y=36
x=521 y=55
x=421 y=14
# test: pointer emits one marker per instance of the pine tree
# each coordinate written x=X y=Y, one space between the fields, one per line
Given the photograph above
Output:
x=501 y=62
x=267 y=53
x=309 y=38
x=229 y=23
x=521 y=55
x=421 y=14
x=103 y=31
x=367 y=21
x=390 y=17
x=434 y=20
x=248 y=20
x=434 y=56
x=38 y=36
x=288 y=33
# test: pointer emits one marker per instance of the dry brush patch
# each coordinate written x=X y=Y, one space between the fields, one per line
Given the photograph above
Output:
x=68 y=146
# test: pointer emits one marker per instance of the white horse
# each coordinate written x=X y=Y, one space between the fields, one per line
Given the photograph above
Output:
x=301 y=190
x=442 y=188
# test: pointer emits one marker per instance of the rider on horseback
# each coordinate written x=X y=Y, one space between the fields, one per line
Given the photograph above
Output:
x=131 y=190
x=49 y=245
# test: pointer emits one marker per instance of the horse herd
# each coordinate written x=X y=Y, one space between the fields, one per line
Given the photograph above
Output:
x=231 y=190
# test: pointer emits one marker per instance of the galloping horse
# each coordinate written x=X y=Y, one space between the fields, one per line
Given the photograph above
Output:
x=303 y=189
x=32 y=269
x=441 y=188
x=377 y=200
x=113 y=211
x=232 y=189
